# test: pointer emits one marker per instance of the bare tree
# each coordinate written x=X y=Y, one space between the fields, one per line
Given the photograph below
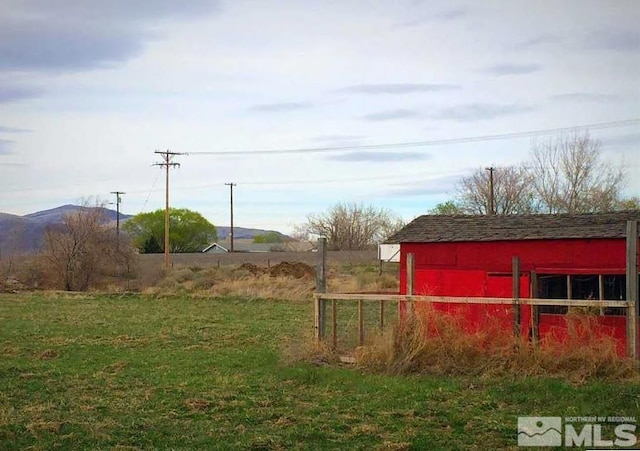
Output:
x=350 y=226
x=564 y=175
x=389 y=227
x=568 y=175
x=83 y=248
x=511 y=192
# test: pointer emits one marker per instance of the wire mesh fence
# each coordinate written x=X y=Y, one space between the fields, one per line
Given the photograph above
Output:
x=348 y=324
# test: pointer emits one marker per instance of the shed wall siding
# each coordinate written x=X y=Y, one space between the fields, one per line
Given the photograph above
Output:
x=605 y=255
x=483 y=269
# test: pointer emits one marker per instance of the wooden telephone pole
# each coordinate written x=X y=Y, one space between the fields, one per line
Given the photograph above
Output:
x=118 y=201
x=231 y=185
x=167 y=157
x=492 y=196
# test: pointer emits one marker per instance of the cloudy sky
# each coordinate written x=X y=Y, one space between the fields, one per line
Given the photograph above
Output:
x=90 y=89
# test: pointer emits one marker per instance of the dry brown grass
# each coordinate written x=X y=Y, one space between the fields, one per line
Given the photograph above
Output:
x=233 y=281
x=434 y=342
x=151 y=268
x=48 y=354
x=197 y=405
x=22 y=273
x=200 y=272
x=286 y=280
x=362 y=283
x=266 y=287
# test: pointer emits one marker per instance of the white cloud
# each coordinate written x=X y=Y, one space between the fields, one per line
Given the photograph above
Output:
x=259 y=75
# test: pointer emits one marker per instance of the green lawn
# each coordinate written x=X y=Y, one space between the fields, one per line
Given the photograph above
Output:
x=129 y=372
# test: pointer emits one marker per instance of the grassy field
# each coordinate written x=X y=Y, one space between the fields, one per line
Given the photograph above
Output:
x=133 y=372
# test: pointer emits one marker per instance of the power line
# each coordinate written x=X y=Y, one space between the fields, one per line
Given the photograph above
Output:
x=601 y=125
x=421 y=175
x=150 y=191
x=440 y=142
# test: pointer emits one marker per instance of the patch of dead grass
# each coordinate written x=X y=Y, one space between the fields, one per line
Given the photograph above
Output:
x=39 y=408
x=36 y=427
x=365 y=428
x=48 y=354
x=395 y=446
x=116 y=367
x=10 y=351
x=197 y=405
x=125 y=341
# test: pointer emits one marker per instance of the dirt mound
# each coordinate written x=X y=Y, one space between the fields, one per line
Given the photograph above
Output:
x=298 y=270
x=253 y=269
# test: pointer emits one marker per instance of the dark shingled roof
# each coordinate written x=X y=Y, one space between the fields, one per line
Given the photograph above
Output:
x=446 y=228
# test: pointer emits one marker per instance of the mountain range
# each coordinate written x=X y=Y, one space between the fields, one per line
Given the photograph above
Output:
x=25 y=234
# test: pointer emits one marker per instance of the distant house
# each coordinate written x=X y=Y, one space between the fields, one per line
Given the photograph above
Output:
x=215 y=248
x=247 y=245
x=242 y=245
x=299 y=246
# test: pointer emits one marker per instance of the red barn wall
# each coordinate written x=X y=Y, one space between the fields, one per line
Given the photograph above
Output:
x=483 y=269
x=595 y=256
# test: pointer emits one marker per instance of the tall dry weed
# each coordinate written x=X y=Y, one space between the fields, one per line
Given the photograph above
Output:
x=435 y=342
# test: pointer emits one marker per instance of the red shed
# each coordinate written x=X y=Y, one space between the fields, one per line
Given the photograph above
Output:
x=562 y=256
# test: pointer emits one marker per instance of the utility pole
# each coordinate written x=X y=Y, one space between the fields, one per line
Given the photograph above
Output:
x=492 y=201
x=231 y=185
x=167 y=157
x=118 y=201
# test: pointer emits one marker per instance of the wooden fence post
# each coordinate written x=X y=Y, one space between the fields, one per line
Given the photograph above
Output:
x=411 y=267
x=535 y=309
x=360 y=322
x=321 y=287
x=516 y=295
x=334 y=324
x=632 y=289
x=317 y=331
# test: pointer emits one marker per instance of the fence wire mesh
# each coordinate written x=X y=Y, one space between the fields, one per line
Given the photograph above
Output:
x=351 y=323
